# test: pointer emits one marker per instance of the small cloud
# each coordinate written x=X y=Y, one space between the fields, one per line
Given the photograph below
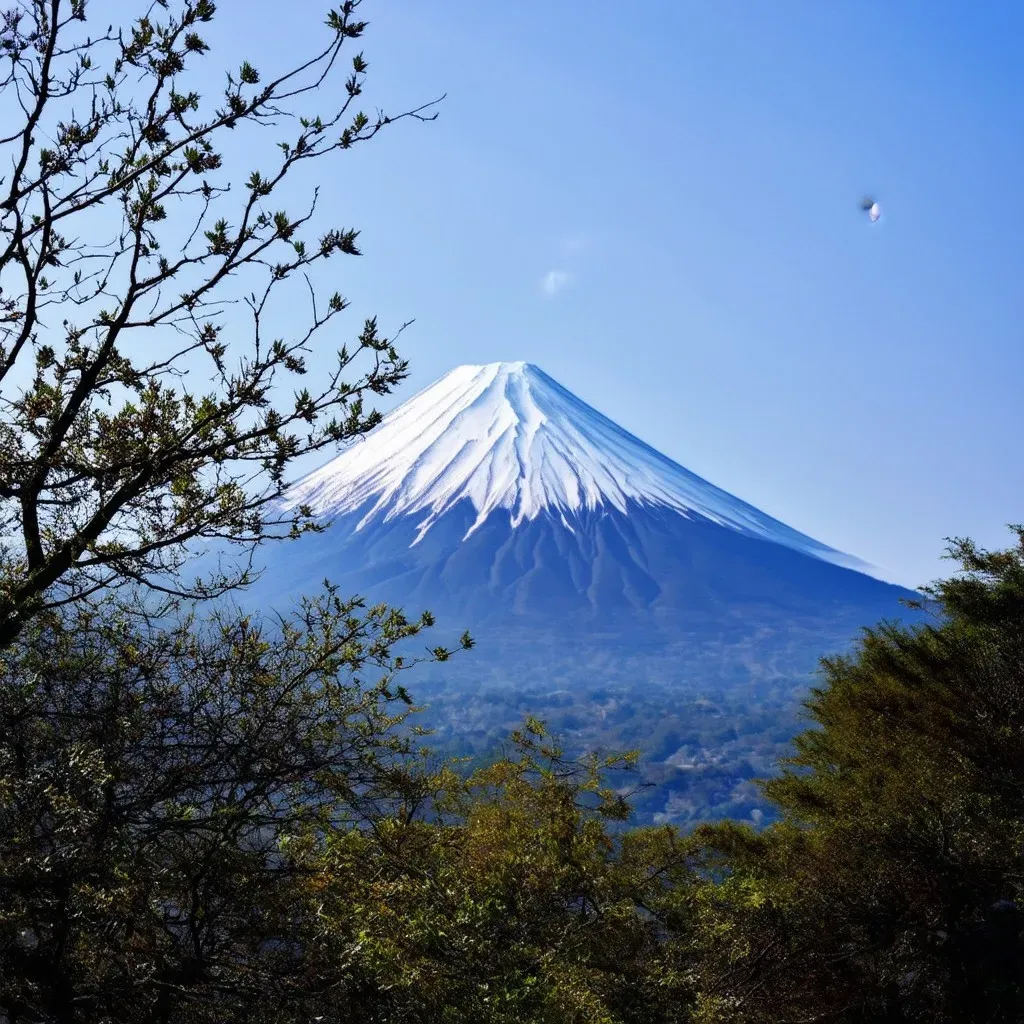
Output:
x=574 y=244
x=554 y=281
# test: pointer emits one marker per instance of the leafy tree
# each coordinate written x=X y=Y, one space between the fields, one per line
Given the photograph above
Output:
x=136 y=414
x=164 y=791
x=519 y=902
x=893 y=889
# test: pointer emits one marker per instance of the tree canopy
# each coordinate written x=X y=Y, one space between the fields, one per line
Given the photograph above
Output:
x=163 y=791
x=893 y=887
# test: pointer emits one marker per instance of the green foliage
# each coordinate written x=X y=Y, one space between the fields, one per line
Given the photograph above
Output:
x=516 y=904
x=163 y=791
x=892 y=890
x=122 y=247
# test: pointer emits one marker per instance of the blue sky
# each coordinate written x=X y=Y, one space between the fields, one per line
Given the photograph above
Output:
x=685 y=178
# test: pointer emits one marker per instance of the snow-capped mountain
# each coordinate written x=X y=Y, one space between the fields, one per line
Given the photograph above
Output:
x=610 y=591
x=497 y=498
x=506 y=437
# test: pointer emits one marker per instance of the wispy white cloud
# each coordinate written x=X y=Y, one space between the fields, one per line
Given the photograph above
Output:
x=554 y=281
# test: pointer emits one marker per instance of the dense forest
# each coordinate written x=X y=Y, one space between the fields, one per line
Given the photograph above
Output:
x=206 y=816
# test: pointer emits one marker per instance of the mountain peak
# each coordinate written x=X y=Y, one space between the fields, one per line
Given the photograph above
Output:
x=514 y=367
x=506 y=437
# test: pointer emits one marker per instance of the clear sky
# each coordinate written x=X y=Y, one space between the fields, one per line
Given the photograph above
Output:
x=657 y=202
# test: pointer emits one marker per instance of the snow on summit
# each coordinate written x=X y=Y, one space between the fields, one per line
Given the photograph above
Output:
x=505 y=436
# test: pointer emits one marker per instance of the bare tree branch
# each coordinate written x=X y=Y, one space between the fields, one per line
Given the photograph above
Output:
x=126 y=247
